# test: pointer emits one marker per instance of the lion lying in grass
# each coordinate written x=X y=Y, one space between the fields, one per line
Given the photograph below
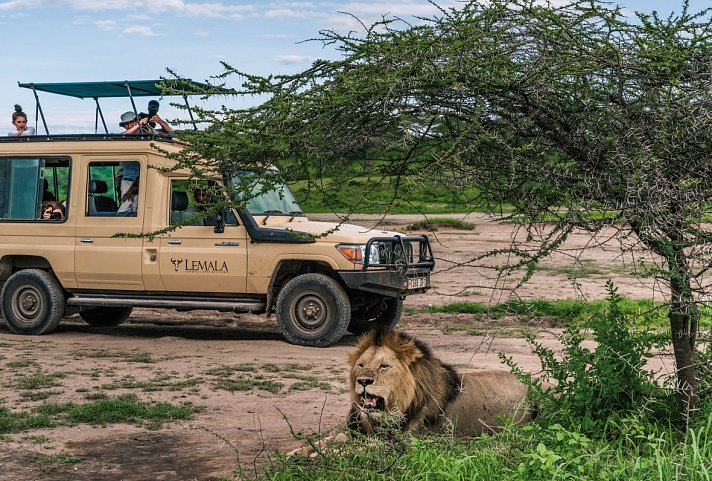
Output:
x=392 y=373
x=396 y=377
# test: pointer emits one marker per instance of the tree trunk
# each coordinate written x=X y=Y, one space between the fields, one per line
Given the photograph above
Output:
x=684 y=317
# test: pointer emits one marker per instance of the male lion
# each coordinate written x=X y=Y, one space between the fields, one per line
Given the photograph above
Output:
x=393 y=374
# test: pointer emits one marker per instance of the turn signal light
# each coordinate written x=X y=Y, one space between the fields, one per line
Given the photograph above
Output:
x=352 y=253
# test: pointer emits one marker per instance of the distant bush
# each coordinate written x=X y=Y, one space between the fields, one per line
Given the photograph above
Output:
x=433 y=224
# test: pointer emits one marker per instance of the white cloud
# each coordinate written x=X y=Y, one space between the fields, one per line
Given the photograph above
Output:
x=293 y=59
x=105 y=24
x=12 y=5
x=140 y=30
x=201 y=33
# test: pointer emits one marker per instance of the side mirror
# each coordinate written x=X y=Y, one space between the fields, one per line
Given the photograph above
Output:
x=219 y=224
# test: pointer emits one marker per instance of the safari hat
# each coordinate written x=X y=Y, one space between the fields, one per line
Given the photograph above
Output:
x=127 y=117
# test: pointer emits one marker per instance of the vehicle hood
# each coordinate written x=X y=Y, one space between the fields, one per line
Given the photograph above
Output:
x=342 y=233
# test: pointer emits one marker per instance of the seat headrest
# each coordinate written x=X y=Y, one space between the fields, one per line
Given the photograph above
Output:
x=98 y=187
x=179 y=200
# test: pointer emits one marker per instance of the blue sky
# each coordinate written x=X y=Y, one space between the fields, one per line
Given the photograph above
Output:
x=94 y=40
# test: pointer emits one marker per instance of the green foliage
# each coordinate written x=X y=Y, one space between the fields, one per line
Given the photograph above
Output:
x=434 y=223
x=126 y=408
x=14 y=422
x=248 y=384
x=593 y=385
x=643 y=452
x=338 y=195
x=570 y=312
x=122 y=409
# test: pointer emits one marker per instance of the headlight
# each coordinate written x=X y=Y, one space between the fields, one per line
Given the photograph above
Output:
x=356 y=252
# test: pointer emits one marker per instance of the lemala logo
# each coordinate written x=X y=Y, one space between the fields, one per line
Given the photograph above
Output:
x=189 y=265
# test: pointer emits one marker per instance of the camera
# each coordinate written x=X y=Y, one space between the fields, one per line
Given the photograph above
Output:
x=56 y=216
x=153 y=106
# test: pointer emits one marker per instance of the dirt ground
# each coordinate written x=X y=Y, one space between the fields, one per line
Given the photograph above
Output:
x=199 y=357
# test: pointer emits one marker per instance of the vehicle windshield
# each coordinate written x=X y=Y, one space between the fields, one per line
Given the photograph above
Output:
x=278 y=200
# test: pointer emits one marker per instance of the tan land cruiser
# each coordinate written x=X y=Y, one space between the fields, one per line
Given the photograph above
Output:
x=61 y=206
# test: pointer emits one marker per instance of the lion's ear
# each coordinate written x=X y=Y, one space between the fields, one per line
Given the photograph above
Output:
x=408 y=351
x=366 y=341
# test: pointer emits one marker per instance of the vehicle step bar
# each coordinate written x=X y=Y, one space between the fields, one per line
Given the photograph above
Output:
x=180 y=304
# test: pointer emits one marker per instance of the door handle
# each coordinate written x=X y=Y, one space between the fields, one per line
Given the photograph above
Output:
x=175 y=241
x=227 y=244
x=86 y=240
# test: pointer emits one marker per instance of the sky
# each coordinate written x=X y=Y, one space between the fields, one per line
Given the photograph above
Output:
x=99 y=40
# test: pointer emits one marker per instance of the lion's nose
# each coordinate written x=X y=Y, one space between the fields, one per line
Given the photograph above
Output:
x=364 y=381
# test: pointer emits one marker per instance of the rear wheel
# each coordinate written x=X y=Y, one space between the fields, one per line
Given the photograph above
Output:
x=313 y=310
x=32 y=302
x=387 y=318
x=105 y=316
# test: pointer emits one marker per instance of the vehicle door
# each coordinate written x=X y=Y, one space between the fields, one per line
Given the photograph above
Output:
x=104 y=260
x=194 y=258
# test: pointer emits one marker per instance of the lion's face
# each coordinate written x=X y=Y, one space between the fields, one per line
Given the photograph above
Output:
x=381 y=383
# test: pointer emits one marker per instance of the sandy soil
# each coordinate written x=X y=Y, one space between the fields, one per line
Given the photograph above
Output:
x=188 y=357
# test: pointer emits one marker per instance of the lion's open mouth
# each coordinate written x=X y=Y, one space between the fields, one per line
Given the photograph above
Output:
x=373 y=402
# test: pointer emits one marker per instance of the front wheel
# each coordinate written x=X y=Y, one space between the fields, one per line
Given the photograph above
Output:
x=387 y=318
x=313 y=310
x=32 y=302
x=105 y=316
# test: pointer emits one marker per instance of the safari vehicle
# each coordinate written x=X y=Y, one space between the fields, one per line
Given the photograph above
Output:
x=265 y=258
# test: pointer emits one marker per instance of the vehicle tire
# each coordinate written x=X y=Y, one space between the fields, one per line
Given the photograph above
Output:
x=313 y=310
x=387 y=318
x=32 y=302
x=105 y=316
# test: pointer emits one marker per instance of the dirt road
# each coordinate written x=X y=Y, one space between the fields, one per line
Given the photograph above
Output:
x=248 y=383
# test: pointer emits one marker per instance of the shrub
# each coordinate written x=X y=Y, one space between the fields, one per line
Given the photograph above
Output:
x=590 y=386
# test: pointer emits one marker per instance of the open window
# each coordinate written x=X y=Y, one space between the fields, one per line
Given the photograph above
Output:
x=191 y=199
x=112 y=189
x=28 y=182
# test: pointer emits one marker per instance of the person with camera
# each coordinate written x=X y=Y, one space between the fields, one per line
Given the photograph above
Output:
x=144 y=123
x=52 y=210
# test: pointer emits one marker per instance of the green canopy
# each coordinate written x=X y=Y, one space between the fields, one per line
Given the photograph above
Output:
x=123 y=88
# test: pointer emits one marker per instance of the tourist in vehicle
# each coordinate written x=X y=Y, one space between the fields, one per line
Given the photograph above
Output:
x=129 y=201
x=202 y=199
x=143 y=124
x=19 y=120
x=52 y=210
x=46 y=193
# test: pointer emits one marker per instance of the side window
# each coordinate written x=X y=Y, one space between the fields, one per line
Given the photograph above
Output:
x=34 y=188
x=191 y=199
x=112 y=189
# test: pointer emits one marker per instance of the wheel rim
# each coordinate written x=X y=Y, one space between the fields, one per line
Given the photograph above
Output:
x=310 y=312
x=27 y=304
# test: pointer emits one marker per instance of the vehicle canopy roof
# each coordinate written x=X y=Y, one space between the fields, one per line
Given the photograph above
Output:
x=122 y=88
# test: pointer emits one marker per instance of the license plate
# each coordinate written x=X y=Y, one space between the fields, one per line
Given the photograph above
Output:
x=417 y=283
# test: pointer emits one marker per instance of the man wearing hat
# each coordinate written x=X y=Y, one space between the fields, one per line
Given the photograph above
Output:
x=137 y=126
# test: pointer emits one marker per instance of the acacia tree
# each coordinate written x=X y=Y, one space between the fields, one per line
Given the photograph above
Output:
x=575 y=115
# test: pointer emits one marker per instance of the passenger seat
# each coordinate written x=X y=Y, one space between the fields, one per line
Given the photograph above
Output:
x=100 y=205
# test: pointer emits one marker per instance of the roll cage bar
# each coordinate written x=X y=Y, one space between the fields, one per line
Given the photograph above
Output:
x=121 y=88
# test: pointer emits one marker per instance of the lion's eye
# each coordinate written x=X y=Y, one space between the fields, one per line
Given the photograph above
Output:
x=360 y=364
x=384 y=366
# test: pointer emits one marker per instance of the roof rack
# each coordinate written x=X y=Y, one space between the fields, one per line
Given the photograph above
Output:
x=122 y=88
x=87 y=137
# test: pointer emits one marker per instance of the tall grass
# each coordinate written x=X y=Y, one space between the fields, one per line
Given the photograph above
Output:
x=536 y=453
